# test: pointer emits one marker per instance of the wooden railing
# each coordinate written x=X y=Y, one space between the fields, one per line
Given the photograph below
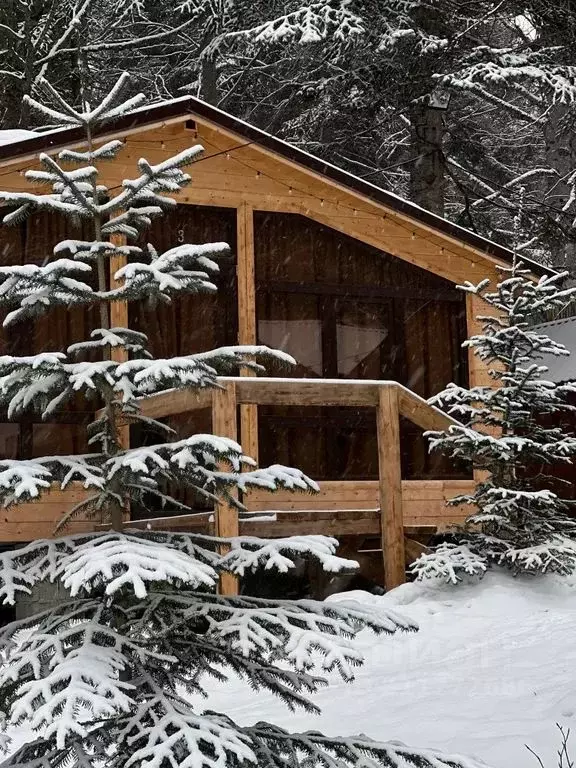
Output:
x=388 y=509
x=389 y=399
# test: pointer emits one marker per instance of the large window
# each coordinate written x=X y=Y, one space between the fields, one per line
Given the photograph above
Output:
x=346 y=310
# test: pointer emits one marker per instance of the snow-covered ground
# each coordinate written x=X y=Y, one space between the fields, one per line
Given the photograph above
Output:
x=492 y=669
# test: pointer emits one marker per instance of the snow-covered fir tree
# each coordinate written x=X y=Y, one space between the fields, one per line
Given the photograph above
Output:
x=106 y=677
x=506 y=436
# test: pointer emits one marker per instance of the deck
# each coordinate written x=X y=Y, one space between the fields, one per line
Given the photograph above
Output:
x=390 y=512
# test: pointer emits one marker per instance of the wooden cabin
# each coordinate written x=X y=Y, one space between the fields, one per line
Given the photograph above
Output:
x=356 y=283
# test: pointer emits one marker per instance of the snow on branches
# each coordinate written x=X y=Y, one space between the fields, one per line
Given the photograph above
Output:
x=450 y=563
x=45 y=381
x=91 y=658
x=87 y=564
x=513 y=521
x=104 y=675
x=259 y=745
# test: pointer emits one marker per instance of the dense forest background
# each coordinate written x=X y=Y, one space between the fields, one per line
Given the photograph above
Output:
x=464 y=106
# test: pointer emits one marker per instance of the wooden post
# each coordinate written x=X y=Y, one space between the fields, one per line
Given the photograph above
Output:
x=119 y=319
x=225 y=516
x=477 y=369
x=391 y=517
x=247 y=318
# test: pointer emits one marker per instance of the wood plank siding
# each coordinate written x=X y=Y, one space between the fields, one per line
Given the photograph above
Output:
x=351 y=287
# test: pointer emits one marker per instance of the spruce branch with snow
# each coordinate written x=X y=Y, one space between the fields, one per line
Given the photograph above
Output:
x=105 y=677
x=513 y=521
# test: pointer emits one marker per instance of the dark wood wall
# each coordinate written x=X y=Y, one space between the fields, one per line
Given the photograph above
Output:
x=343 y=309
x=346 y=310
x=192 y=323
x=32 y=242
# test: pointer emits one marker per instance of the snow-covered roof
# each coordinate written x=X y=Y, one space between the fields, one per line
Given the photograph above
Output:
x=15 y=135
x=562 y=368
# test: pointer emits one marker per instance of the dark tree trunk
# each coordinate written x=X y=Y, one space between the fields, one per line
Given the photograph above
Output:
x=427 y=182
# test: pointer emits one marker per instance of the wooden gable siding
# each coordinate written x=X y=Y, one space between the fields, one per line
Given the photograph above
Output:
x=233 y=172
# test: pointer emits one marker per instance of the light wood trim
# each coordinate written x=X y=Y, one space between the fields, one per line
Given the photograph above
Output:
x=119 y=319
x=391 y=515
x=418 y=411
x=175 y=401
x=477 y=371
x=352 y=505
x=365 y=522
x=224 y=424
x=354 y=494
x=270 y=391
x=102 y=139
x=318 y=392
x=475 y=253
x=245 y=270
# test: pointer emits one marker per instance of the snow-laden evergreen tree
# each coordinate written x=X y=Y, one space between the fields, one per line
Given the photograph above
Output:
x=106 y=676
x=506 y=435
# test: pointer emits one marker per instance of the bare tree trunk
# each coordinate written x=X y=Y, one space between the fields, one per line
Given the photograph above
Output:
x=560 y=151
x=427 y=182
x=208 y=86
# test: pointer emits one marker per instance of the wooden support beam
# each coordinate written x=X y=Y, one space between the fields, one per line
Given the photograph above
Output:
x=119 y=319
x=338 y=523
x=245 y=270
x=477 y=371
x=392 y=523
x=175 y=401
x=418 y=411
x=270 y=391
x=224 y=424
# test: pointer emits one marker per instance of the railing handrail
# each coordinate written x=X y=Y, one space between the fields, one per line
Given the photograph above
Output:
x=389 y=399
x=299 y=391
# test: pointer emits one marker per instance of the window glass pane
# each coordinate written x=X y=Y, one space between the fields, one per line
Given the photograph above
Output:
x=292 y=322
x=365 y=340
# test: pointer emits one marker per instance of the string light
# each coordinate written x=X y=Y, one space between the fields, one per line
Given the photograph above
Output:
x=259 y=174
x=321 y=199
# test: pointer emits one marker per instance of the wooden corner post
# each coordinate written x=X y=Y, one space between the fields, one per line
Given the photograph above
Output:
x=391 y=517
x=247 y=317
x=226 y=516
